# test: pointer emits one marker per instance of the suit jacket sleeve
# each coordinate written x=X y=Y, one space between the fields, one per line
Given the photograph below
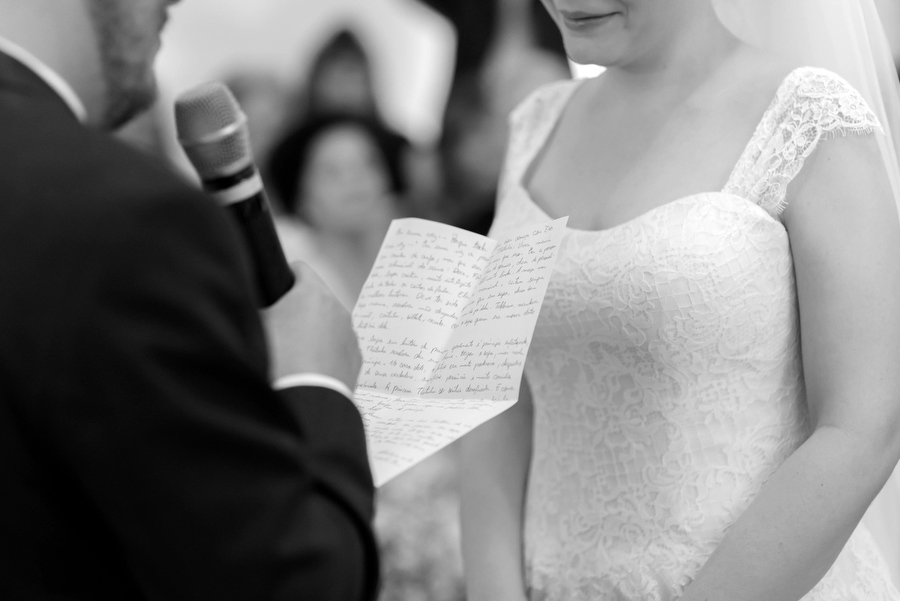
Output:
x=216 y=486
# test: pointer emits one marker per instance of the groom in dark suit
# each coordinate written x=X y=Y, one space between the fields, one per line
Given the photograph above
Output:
x=144 y=451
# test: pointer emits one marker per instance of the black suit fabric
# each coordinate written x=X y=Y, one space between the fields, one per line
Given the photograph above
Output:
x=143 y=454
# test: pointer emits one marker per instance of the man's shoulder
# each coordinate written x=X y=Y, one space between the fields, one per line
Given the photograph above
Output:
x=67 y=173
x=69 y=154
x=77 y=196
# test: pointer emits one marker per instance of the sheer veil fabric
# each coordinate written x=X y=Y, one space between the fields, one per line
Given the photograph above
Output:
x=846 y=37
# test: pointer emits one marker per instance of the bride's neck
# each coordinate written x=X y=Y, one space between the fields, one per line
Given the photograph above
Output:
x=677 y=65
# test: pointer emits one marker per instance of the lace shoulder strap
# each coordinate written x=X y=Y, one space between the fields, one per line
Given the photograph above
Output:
x=530 y=125
x=532 y=120
x=811 y=104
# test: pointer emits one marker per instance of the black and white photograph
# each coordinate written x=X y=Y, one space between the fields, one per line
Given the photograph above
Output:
x=450 y=300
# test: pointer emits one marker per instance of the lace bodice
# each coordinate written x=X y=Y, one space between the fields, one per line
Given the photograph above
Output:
x=665 y=366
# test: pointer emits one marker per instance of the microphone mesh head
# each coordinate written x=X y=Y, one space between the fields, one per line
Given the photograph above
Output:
x=212 y=130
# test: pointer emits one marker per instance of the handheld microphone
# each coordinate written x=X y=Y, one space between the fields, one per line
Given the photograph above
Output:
x=212 y=130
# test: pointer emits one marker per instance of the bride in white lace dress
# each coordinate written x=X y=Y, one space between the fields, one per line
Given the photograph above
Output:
x=726 y=209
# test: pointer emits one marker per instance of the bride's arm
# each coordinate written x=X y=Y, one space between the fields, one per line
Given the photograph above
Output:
x=493 y=472
x=845 y=241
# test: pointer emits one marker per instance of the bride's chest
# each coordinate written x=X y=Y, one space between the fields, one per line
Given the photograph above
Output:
x=702 y=257
x=633 y=171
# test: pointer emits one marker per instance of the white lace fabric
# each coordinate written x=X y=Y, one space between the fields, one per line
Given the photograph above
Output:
x=810 y=104
x=665 y=366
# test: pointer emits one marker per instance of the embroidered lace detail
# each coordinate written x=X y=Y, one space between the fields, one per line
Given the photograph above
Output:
x=530 y=123
x=666 y=371
x=810 y=105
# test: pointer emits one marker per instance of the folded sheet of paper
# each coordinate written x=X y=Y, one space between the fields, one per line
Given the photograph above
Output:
x=444 y=324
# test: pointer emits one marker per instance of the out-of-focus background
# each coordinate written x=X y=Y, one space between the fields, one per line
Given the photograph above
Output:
x=362 y=111
x=411 y=46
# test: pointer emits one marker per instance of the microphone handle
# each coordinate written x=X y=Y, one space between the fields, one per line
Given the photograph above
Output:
x=253 y=215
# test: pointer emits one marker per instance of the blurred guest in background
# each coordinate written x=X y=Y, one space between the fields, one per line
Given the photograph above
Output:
x=507 y=48
x=477 y=23
x=341 y=183
x=340 y=79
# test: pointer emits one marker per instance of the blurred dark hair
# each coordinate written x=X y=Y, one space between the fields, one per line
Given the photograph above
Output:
x=475 y=22
x=344 y=44
x=290 y=157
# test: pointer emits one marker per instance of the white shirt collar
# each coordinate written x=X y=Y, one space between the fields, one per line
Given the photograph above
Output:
x=50 y=77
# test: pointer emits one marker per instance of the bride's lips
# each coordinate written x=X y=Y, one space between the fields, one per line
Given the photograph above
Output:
x=577 y=20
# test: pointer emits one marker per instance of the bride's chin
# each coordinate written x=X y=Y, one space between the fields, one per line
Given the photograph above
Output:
x=584 y=52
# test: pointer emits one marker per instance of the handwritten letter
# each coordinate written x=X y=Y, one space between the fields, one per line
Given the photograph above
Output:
x=444 y=321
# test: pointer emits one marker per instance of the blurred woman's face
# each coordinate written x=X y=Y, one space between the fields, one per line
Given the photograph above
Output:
x=346 y=186
x=616 y=32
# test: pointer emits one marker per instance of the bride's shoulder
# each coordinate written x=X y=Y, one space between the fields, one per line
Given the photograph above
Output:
x=803 y=93
x=533 y=117
x=825 y=99
x=545 y=100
